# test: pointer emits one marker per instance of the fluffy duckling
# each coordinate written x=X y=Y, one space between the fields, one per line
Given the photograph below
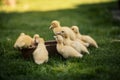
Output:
x=84 y=38
x=56 y=27
x=40 y=55
x=23 y=41
x=65 y=50
x=75 y=44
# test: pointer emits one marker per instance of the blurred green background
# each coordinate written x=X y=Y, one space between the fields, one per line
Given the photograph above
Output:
x=94 y=18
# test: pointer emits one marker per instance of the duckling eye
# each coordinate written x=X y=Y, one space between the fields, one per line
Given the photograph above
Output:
x=72 y=28
x=62 y=31
x=53 y=23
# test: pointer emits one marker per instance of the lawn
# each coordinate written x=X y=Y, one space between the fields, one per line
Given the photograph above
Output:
x=93 y=18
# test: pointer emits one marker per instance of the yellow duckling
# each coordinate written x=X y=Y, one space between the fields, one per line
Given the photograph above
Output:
x=40 y=55
x=23 y=41
x=84 y=38
x=65 y=50
x=75 y=44
x=56 y=27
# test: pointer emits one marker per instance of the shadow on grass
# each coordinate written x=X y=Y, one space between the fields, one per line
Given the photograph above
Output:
x=93 y=14
x=87 y=17
x=94 y=19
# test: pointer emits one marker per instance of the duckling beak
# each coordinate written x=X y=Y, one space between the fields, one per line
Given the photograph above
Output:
x=51 y=27
x=58 y=33
x=55 y=37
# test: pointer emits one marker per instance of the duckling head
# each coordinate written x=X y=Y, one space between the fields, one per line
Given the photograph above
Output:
x=36 y=38
x=21 y=34
x=75 y=29
x=39 y=40
x=59 y=38
x=64 y=33
x=54 y=24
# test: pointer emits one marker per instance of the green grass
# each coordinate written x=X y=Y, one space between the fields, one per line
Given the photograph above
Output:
x=93 y=19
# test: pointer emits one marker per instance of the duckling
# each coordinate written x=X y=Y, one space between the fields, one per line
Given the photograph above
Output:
x=75 y=44
x=84 y=38
x=40 y=55
x=23 y=41
x=65 y=50
x=56 y=27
